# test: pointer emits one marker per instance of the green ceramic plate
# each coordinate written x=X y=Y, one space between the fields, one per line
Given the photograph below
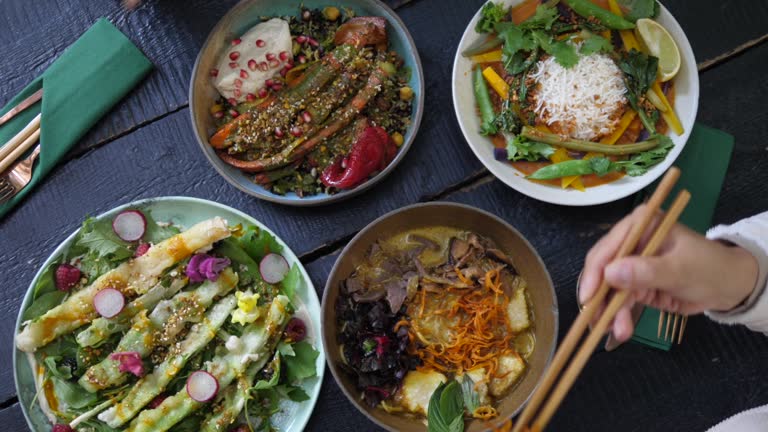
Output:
x=185 y=212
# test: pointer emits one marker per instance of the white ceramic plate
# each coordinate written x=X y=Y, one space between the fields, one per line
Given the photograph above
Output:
x=185 y=212
x=686 y=105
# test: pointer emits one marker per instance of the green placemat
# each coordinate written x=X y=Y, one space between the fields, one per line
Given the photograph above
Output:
x=85 y=82
x=703 y=164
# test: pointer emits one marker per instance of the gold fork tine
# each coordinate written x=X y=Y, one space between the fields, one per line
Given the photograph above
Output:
x=682 y=329
x=674 y=327
x=661 y=323
x=6 y=190
x=669 y=321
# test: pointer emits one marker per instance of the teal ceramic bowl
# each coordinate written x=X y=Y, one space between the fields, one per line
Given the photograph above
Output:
x=245 y=15
x=184 y=212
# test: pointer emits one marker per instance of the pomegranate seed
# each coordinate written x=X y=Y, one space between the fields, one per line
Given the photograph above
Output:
x=313 y=42
x=252 y=65
x=234 y=113
x=237 y=93
x=274 y=63
x=302 y=59
x=260 y=43
x=306 y=116
x=234 y=55
x=214 y=72
x=296 y=330
x=243 y=74
x=238 y=83
x=283 y=72
x=263 y=66
x=144 y=247
x=289 y=64
x=279 y=132
x=301 y=39
x=283 y=55
x=232 y=101
x=216 y=115
x=62 y=428
x=262 y=93
x=234 y=65
x=66 y=277
x=277 y=87
x=269 y=82
x=296 y=131
x=270 y=56
x=236 y=41
x=250 y=97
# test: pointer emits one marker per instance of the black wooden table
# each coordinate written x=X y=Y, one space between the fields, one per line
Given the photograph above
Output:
x=145 y=148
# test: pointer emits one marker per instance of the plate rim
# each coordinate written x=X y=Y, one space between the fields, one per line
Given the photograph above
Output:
x=501 y=170
x=323 y=199
x=64 y=244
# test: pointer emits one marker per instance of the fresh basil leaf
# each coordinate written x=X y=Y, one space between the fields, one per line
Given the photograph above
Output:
x=302 y=365
x=471 y=397
x=446 y=405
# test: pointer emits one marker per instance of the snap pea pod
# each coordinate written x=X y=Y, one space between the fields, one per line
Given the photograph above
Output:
x=101 y=328
x=587 y=146
x=487 y=114
x=256 y=343
x=575 y=167
x=588 y=9
x=149 y=386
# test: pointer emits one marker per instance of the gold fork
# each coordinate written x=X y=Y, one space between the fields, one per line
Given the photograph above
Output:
x=673 y=320
x=18 y=176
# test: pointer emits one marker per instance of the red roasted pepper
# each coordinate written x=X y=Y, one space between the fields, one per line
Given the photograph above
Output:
x=372 y=151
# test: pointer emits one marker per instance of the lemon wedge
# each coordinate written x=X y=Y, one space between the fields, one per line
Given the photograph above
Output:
x=659 y=43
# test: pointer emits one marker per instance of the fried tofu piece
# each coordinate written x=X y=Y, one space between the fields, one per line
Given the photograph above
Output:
x=511 y=368
x=418 y=388
x=517 y=310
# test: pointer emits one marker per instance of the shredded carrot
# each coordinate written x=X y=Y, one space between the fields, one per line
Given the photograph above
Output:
x=482 y=332
x=485 y=412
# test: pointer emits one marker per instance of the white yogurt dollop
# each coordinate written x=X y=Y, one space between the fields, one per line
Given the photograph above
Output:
x=262 y=52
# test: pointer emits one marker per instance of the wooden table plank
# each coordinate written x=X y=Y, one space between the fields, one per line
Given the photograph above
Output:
x=12 y=419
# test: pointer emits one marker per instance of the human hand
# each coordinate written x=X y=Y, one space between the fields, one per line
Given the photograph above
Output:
x=689 y=273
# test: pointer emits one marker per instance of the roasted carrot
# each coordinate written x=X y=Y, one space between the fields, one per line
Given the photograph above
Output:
x=524 y=10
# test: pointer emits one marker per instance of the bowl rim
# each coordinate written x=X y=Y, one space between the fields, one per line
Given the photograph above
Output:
x=325 y=312
x=262 y=193
x=637 y=183
x=18 y=355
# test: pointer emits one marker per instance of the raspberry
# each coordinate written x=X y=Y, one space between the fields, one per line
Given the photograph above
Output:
x=141 y=249
x=62 y=428
x=295 y=330
x=66 y=277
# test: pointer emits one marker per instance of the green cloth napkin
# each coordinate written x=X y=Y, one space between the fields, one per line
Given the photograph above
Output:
x=83 y=84
x=703 y=164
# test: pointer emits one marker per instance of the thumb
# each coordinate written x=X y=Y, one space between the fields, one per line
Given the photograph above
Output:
x=638 y=273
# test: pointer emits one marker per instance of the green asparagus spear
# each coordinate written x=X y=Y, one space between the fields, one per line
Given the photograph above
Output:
x=586 y=146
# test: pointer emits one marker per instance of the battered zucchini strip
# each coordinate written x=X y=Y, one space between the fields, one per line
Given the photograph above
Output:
x=255 y=346
x=136 y=275
x=102 y=328
x=159 y=329
x=148 y=387
x=232 y=400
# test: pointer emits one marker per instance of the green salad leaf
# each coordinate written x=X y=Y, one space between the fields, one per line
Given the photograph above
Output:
x=156 y=233
x=292 y=282
x=521 y=148
x=445 y=412
x=490 y=14
x=640 y=163
x=97 y=239
x=44 y=294
x=72 y=394
x=639 y=74
x=636 y=9
x=594 y=43
x=302 y=364
x=258 y=242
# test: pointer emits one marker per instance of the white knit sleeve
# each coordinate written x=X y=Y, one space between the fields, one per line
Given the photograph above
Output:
x=752 y=235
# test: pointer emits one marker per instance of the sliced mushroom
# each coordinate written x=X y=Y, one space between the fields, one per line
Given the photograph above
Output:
x=500 y=256
x=474 y=241
x=396 y=293
x=473 y=272
x=369 y=296
x=459 y=248
x=428 y=243
x=353 y=285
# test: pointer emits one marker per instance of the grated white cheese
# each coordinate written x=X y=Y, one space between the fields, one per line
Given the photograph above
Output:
x=584 y=102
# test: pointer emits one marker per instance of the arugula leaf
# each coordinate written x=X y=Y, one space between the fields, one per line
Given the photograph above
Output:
x=490 y=14
x=563 y=51
x=301 y=365
x=445 y=412
x=520 y=148
x=97 y=237
x=640 y=163
x=471 y=397
x=636 y=9
x=639 y=74
x=594 y=43
x=258 y=242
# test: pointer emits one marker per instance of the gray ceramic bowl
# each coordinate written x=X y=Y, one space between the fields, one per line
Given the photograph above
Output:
x=528 y=264
x=244 y=16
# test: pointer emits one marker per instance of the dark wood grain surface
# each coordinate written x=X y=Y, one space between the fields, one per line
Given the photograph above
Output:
x=145 y=148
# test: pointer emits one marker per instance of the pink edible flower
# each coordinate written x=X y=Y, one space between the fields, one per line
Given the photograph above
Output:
x=130 y=361
x=202 y=267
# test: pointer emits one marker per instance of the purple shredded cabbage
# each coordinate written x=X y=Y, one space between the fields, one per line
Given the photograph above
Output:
x=203 y=266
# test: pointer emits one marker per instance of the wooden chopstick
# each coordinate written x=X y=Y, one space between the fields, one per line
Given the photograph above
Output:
x=618 y=300
x=19 y=150
x=579 y=326
x=26 y=103
x=19 y=138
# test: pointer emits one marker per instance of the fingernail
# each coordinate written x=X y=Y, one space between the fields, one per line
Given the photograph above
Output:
x=618 y=273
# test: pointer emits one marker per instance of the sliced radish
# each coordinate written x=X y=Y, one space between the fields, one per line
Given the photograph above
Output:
x=202 y=386
x=108 y=302
x=130 y=225
x=273 y=268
